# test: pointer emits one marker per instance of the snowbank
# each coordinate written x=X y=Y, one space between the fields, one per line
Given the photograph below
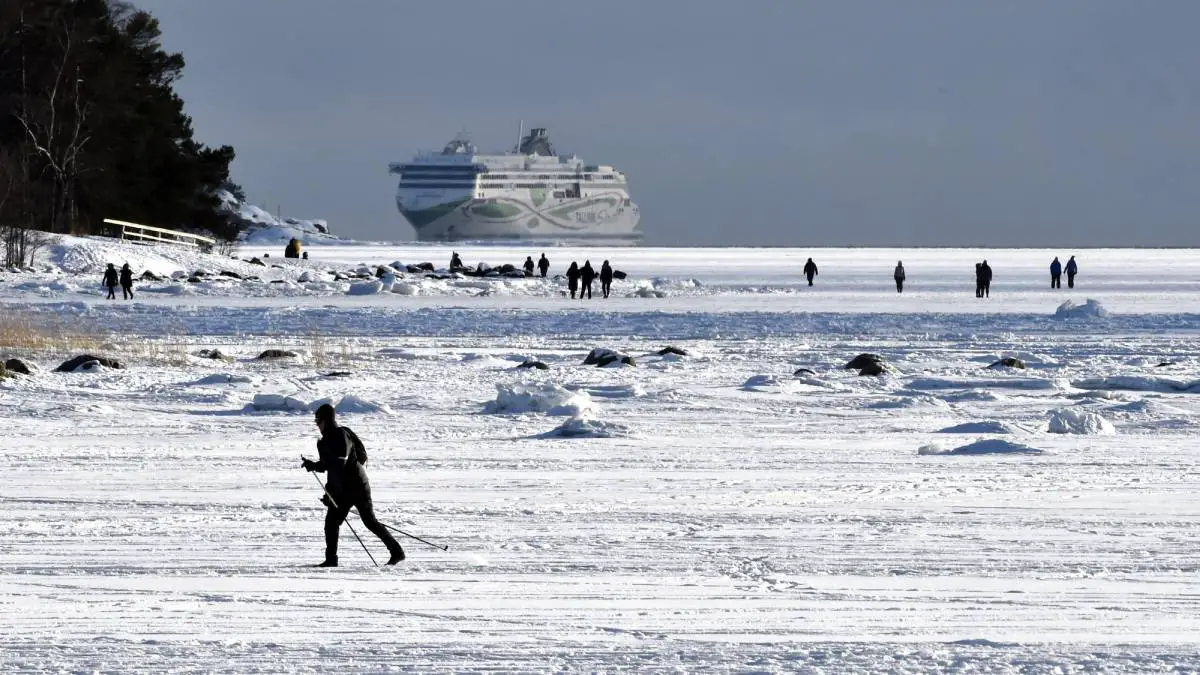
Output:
x=1139 y=383
x=583 y=427
x=986 y=383
x=988 y=427
x=610 y=391
x=278 y=403
x=915 y=401
x=546 y=398
x=989 y=446
x=1089 y=310
x=1068 y=421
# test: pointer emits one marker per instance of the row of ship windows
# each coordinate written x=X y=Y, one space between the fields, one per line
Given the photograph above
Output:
x=492 y=186
x=414 y=175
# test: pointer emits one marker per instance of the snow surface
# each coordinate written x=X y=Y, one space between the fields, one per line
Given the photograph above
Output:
x=707 y=513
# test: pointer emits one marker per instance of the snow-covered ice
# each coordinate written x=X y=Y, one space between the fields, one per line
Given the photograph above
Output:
x=725 y=511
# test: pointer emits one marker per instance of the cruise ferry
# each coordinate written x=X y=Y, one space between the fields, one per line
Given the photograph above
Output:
x=529 y=194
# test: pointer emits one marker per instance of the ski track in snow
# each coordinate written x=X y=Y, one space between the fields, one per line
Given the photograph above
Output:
x=153 y=522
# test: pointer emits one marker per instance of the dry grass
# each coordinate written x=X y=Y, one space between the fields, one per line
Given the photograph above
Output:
x=61 y=336
x=32 y=334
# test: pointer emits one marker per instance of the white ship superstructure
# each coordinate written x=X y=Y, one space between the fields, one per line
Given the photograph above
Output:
x=529 y=194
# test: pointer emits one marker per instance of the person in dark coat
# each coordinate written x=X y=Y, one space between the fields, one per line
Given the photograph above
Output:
x=987 y=279
x=110 y=280
x=528 y=267
x=342 y=457
x=573 y=278
x=979 y=280
x=586 y=275
x=543 y=265
x=898 y=275
x=1055 y=273
x=126 y=282
x=1072 y=270
x=455 y=262
x=606 y=277
x=810 y=270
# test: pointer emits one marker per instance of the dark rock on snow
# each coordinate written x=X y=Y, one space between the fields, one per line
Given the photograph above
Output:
x=214 y=354
x=863 y=361
x=337 y=373
x=1164 y=364
x=17 y=366
x=150 y=276
x=601 y=357
x=804 y=371
x=71 y=365
x=231 y=275
x=874 y=368
x=276 y=354
x=672 y=350
x=256 y=261
x=1008 y=362
x=534 y=364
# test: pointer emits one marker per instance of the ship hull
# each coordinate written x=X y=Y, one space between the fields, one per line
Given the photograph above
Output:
x=601 y=219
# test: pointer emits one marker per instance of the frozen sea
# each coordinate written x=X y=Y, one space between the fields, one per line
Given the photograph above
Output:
x=719 y=511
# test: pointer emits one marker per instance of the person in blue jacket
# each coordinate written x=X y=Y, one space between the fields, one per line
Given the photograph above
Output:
x=1072 y=270
x=1055 y=273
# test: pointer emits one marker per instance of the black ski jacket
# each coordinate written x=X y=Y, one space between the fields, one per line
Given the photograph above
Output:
x=342 y=456
x=110 y=277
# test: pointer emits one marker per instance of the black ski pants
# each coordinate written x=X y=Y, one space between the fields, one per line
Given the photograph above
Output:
x=1070 y=280
x=605 y=287
x=899 y=285
x=335 y=516
x=1055 y=281
x=587 y=288
x=112 y=293
x=127 y=292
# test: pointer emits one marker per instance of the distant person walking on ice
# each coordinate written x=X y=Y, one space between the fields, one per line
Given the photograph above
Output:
x=979 y=280
x=110 y=280
x=126 y=282
x=455 y=262
x=1072 y=270
x=342 y=457
x=528 y=267
x=606 y=277
x=898 y=275
x=987 y=279
x=573 y=278
x=543 y=265
x=586 y=275
x=1055 y=273
x=810 y=270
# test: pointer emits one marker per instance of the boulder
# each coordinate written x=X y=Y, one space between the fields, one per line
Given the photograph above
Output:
x=194 y=280
x=1164 y=364
x=601 y=357
x=530 y=363
x=231 y=275
x=672 y=350
x=864 y=361
x=874 y=368
x=17 y=366
x=277 y=354
x=618 y=274
x=200 y=273
x=150 y=276
x=413 y=269
x=426 y=267
x=337 y=373
x=804 y=371
x=72 y=365
x=214 y=354
x=1008 y=362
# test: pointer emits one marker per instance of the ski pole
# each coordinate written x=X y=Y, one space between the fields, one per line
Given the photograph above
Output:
x=334 y=502
x=413 y=536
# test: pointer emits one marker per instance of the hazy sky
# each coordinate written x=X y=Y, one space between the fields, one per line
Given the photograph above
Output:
x=839 y=122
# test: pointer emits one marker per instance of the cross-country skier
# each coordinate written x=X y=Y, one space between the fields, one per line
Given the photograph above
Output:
x=343 y=456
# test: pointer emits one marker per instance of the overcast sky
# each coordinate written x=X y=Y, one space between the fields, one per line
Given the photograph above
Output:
x=790 y=123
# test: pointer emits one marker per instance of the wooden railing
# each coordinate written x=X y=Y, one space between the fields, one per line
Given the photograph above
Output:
x=136 y=232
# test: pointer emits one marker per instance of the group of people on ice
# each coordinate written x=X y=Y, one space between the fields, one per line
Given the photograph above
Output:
x=1056 y=270
x=124 y=278
x=579 y=279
